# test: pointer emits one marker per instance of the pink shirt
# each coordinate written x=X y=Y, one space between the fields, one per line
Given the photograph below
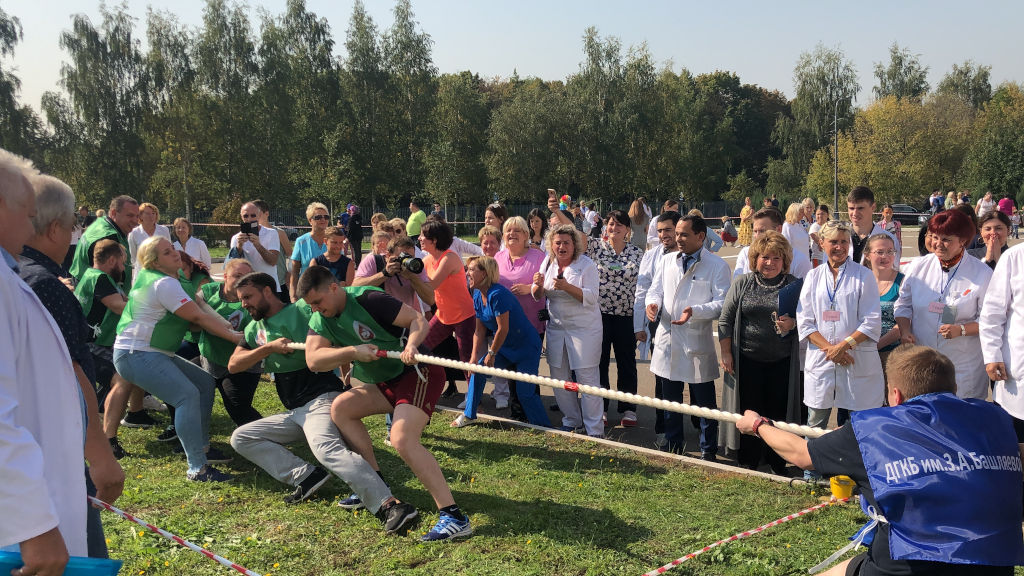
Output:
x=521 y=272
x=1006 y=206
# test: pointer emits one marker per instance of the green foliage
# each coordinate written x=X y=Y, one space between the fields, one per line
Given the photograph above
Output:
x=996 y=161
x=968 y=82
x=904 y=77
x=237 y=108
x=826 y=85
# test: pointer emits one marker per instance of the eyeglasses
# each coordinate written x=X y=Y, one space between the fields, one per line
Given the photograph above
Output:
x=883 y=252
x=321 y=217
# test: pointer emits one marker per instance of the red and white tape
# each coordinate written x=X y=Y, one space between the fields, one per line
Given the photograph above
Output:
x=172 y=537
x=740 y=535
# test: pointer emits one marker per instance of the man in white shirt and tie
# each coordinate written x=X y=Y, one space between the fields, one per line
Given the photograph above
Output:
x=689 y=291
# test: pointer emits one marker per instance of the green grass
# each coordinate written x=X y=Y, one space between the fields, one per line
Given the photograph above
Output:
x=540 y=504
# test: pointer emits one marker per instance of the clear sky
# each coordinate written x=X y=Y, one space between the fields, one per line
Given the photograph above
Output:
x=759 y=40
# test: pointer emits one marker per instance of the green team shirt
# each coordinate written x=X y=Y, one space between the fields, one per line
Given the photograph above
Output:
x=292 y=322
x=169 y=330
x=98 y=230
x=218 y=350
x=106 y=330
x=368 y=310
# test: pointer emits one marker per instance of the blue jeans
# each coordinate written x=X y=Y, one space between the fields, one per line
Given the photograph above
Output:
x=95 y=540
x=701 y=394
x=181 y=384
x=525 y=361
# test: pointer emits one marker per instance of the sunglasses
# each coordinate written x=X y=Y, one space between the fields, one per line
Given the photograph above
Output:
x=837 y=224
x=321 y=217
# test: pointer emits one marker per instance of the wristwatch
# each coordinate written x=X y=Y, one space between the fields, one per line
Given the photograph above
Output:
x=491 y=352
x=759 y=422
x=851 y=341
x=963 y=330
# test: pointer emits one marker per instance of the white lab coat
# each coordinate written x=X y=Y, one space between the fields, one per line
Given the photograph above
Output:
x=575 y=324
x=42 y=432
x=688 y=352
x=1002 y=329
x=649 y=266
x=858 y=386
x=800 y=267
x=921 y=288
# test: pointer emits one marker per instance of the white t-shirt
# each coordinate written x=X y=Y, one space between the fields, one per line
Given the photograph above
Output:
x=271 y=241
x=816 y=252
x=148 y=307
x=135 y=239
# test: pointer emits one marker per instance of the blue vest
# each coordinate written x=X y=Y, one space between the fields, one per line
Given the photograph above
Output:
x=946 y=475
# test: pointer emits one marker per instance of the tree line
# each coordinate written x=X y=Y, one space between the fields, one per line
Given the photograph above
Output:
x=205 y=117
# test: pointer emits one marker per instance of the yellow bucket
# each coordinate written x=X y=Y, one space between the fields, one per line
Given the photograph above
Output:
x=842 y=486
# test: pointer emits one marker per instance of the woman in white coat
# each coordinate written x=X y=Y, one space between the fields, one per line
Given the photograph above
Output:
x=940 y=301
x=840 y=317
x=570 y=281
x=1002 y=335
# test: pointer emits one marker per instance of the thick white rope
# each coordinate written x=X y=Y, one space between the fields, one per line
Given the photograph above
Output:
x=678 y=407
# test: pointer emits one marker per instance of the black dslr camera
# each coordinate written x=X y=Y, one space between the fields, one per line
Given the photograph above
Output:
x=409 y=262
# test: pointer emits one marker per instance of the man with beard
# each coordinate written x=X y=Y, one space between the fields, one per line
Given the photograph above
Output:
x=350 y=325
x=307 y=396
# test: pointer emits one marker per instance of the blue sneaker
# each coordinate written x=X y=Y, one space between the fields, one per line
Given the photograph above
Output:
x=447 y=528
x=353 y=502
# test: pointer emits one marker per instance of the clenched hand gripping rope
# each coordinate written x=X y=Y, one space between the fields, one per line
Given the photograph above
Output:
x=178 y=539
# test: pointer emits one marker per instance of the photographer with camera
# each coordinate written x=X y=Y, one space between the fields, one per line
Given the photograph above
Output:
x=398 y=272
x=259 y=245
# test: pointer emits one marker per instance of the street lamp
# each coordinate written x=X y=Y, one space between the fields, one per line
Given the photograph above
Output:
x=835 y=159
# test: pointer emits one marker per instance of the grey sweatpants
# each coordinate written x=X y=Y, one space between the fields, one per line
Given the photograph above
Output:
x=263 y=442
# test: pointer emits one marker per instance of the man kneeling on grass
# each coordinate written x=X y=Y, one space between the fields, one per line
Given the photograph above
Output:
x=308 y=396
x=940 y=476
x=359 y=321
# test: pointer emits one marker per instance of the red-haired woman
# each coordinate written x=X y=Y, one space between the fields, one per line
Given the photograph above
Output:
x=941 y=298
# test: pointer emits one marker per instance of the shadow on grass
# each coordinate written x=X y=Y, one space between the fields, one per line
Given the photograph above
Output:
x=564 y=523
x=575 y=458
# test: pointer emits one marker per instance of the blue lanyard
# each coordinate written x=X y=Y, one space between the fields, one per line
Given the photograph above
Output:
x=835 y=289
x=949 y=280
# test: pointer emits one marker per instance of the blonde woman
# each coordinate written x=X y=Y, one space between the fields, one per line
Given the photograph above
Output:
x=570 y=282
x=640 y=218
x=794 y=231
x=746 y=223
x=154 y=321
x=149 y=217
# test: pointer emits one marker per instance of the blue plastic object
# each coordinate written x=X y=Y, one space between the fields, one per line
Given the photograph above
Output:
x=77 y=565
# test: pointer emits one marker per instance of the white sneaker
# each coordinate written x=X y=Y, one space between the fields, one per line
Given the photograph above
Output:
x=151 y=403
x=462 y=405
x=462 y=420
x=501 y=403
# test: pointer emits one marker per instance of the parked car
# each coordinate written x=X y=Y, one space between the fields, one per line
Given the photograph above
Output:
x=292 y=233
x=908 y=215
